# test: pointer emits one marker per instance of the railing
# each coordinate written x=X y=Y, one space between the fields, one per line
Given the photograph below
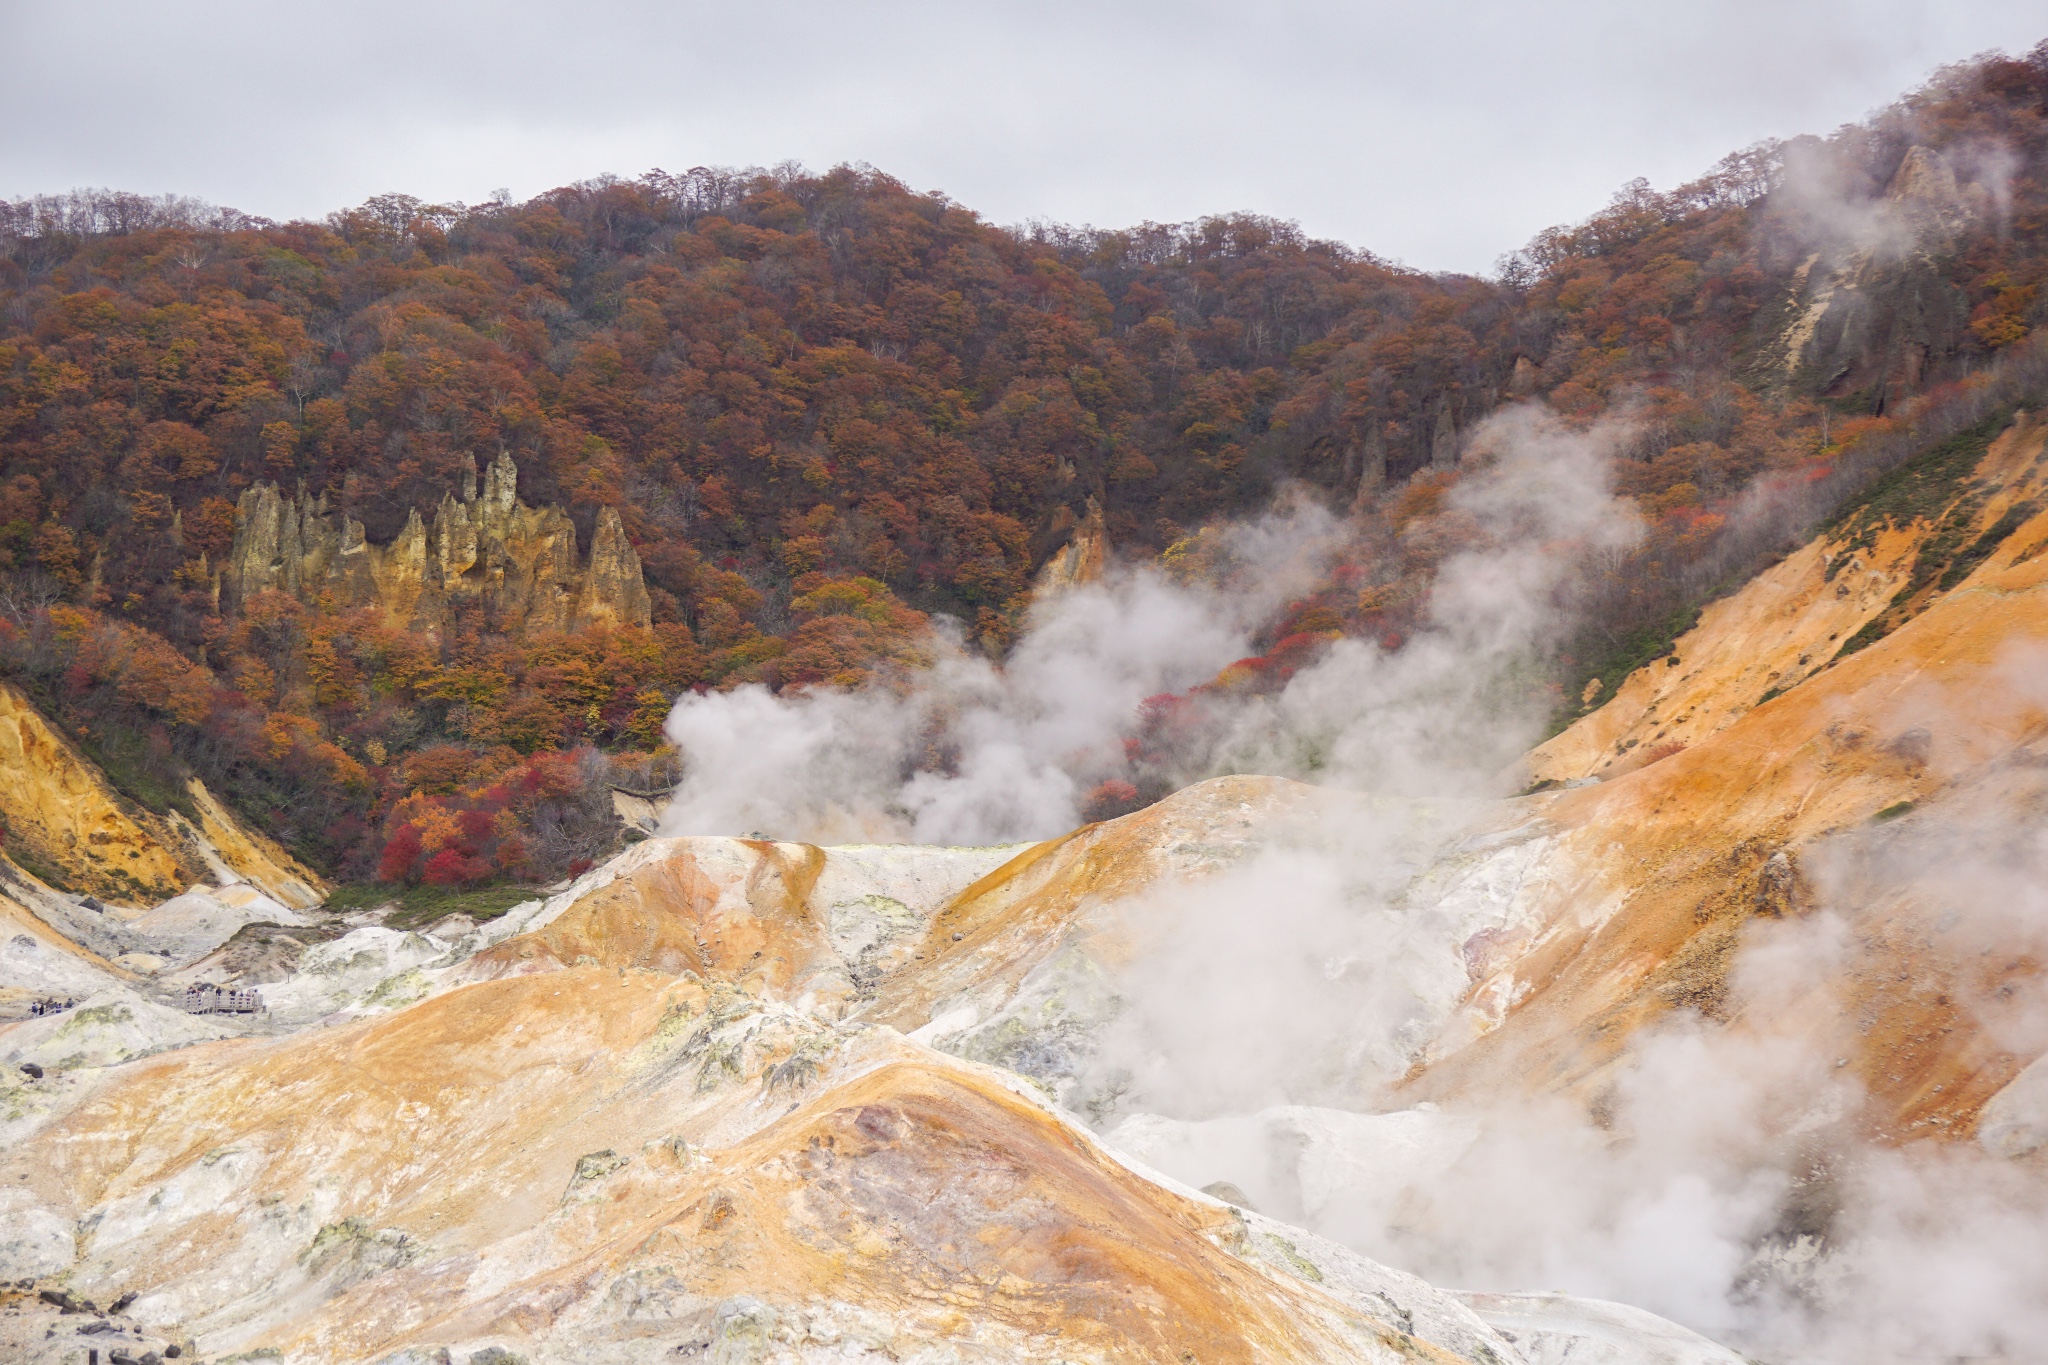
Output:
x=208 y=999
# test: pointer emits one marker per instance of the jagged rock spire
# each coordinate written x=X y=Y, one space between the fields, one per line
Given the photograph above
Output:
x=519 y=562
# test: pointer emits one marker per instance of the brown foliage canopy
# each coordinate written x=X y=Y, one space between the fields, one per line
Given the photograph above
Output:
x=826 y=406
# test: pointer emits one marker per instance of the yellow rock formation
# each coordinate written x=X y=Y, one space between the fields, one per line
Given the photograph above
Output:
x=519 y=563
x=1783 y=627
x=62 y=816
x=60 y=811
x=238 y=853
x=1657 y=872
x=1079 y=561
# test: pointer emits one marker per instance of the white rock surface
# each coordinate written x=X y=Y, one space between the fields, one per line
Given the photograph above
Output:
x=1325 y=1169
x=84 y=920
x=34 y=1241
x=188 y=927
x=76 y=1050
x=1407 y=1301
x=364 y=967
x=112 y=1026
x=945 y=1025
x=2015 y=1122
x=1557 y=1329
x=39 y=967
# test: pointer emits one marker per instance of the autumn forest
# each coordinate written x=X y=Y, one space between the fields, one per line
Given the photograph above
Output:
x=823 y=410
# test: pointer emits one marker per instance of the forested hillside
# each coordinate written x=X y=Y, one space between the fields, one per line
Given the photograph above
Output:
x=824 y=408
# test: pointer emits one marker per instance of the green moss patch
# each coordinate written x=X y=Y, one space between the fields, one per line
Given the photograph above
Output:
x=416 y=906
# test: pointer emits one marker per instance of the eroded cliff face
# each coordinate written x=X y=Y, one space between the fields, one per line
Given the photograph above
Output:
x=235 y=853
x=1791 y=623
x=62 y=816
x=1869 y=307
x=519 y=564
x=1081 y=560
x=61 y=812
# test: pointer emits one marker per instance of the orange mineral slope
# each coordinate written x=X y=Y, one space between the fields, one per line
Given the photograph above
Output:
x=63 y=815
x=853 y=931
x=1780 y=808
x=604 y=1163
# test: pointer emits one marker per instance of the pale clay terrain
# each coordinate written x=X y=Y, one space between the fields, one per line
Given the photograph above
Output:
x=740 y=1101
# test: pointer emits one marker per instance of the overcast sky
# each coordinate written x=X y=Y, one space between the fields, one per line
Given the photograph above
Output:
x=1440 y=134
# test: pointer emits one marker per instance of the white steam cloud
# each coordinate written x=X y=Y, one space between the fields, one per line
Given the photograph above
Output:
x=966 y=752
x=1825 y=196
x=1451 y=709
x=971 y=753
x=1727 y=1174
x=1730 y=1173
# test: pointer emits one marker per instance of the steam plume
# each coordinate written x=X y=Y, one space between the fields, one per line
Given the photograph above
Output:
x=1729 y=1175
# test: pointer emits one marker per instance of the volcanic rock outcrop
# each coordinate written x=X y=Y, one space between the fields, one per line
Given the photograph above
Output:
x=62 y=815
x=1867 y=306
x=1079 y=561
x=519 y=564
